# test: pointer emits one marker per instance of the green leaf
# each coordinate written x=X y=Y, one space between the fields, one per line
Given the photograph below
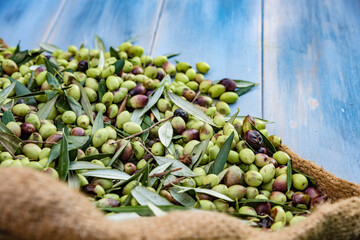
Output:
x=182 y=197
x=206 y=191
x=48 y=47
x=62 y=127
x=101 y=63
x=63 y=103
x=23 y=57
x=146 y=123
x=99 y=44
x=98 y=123
x=158 y=169
x=133 y=177
x=143 y=210
x=46 y=108
x=243 y=90
x=166 y=133
x=96 y=156
x=102 y=89
x=20 y=89
x=17 y=49
x=198 y=153
x=83 y=165
x=51 y=67
x=74 y=105
x=73 y=180
x=172 y=55
x=7 y=117
x=243 y=83
x=144 y=195
x=108 y=174
x=222 y=156
x=119 y=64
x=152 y=101
x=52 y=79
x=10 y=141
x=156 y=113
x=157 y=211
x=231 y=120
x=85 y=102
x=117 y=154
x=32 y=83
x=3 y=128
x=64 y=160
x=5 y=92
x=266 y=141
x=114 y=53
x=184 y=172
x=284 y=206
x=288 y=175
x=74 y=142
x=190 y=108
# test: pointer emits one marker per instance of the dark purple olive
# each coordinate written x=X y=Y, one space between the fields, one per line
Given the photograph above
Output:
x=273 y=162
x=39 y=70
x=189 y=94
x=316 y=201
x=263 y=208
x=203 y=196
x=280 y=183
x=312 y=192
x=181 y=113
x=77 y=131
x=126 y=153
x=300 y=198
x=137 y=70
x=89 y=189
x=229 y=84
x=204 y=101
x=150 y=142
x=149 y=92
x=139 y=101
x=253 y=138
x=139 y=89
x=53 y=139
x=129 y=168
x=147 y=156
x=266 y=222
x=82 y=66
x=108 y=202
x=160 y=74
x=27 y=129
x=190 y=134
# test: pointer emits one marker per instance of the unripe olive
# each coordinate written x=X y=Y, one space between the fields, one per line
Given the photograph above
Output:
x=112 y=111
x=200 y=176
x=107 y=202
x=109 y=147
x=158 y=149
x=135 y=51
x=91 y=94
x=45 y=152
x=36 y=137
x=216 y=90
x=206 y=132
x=219 y=120
x=232 y=176
x=123 y=118
x=15 y=128
x=132 y=128
x=247 y=156
x=275 y=140
x=100 y=137
x=205 y=205
x=236 y=192
x=9 y=66
x=5 y=156
x=138 y=101
x=33 y=119
x=211 y=111
x=253 y=178
x=21 y=109
x=299 y=181
x=169 y=68
x=278 y=214
x=204 y=101
x=178 y=125
x=278 y=197
x=277 y=226
x=205 y=86
x=83 y=121
x=31 y=150
x=211 y=179
x=68 y=117
x=191 y=74
x=188 y=148
x=282 y=169
x=51 y=172
x=182 y=66
x=247 y=210
x=267 y=172
x=281 y=157
x=100 y=107
x=47 y=130
x=105 y=183
x=108 y=71
x=229 y=97
x=297 y=219
x=74 y=92
x=163 y=105
x=247 y=123
x=213 y=152
x=202 y=67
x=221 y=205
x=221 y=188
x=233 y=157
x=261 y=159
x=92 y=83
x=188 y=182
x=120 y=94
x=108 y=98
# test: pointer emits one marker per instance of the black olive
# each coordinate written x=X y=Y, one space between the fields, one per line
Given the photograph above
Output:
x=254 y=138
x=181 y=113
x=82 y=66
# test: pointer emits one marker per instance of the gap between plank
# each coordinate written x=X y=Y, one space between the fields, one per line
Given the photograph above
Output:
x=51 y=26
x=156 y=27
x=262 y=60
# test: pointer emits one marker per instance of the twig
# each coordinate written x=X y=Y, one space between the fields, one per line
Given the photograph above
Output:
x=7 y=149
x=176 y=181
x=196 y=96
x=146 y=149
x=164 y=173
x=31 y=141
x=123 y=105
x=145 y=130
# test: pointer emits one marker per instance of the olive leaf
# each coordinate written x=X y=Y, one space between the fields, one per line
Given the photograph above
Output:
x=157 y=211
x=102 y=89
x=34 y=67
x=101 y=61
x=74 y=142
x=184 y=172
x=117 y=154
x=48 y=47
x=156 y=113
x=23 y=57
x=98 y=123
x=241 y=91
x=198 y=153
x=17 y=49
x=64 y=160
x=165 y=133
x=108 y=174
x=266 y=141
x=222 y=156
x=45 y=110
x=144 y=195
x=80 y=165
x=146 y=123
x=52 y=80
x=10 y=141
x=52 y=67
x=5 y=92
x=7 y=117
x=32 y=83
x=133 y=177
x=119 y=64
x=85 y=102
x=190 y=108
x=205 y=191
x=95 y=156
x=152 y=101
x=231 y=120
x=114 y=53
x=159 y=169
x=20 y=89
x=117 y=217
x=3 y=128
x=143 y=210
x=73 y=180
x=182 y=197
x=99 y=44
x=288 y=175
x=172 y=55
x=74 y=105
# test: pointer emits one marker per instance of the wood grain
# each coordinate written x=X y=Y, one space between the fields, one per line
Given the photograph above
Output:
x=27 y=21
x=114 y=21
x=311 y=80
x=226 y=34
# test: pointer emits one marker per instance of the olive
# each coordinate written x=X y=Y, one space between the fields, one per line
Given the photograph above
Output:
x=181 y=113
x=253 y=138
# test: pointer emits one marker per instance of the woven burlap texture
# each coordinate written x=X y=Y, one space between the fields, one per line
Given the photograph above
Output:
x=33 y=206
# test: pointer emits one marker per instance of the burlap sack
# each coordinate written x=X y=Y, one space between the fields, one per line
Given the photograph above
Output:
x=33 y=206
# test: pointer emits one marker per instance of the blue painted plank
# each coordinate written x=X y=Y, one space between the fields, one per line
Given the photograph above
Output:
x=28 y=21
x=226 y=34
x=311 y=80
x=114 y=21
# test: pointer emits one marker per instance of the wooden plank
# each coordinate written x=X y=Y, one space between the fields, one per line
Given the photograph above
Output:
x=114 y=21
x=226 y=34
x=311 y=80
x=28 y=21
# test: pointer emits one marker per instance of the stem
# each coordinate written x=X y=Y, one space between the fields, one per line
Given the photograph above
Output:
x=196 y=96
x=164 y=173
x=31 y=141
x=148 y=129
x=176 y=181
x=146 y=149
x=7 y=149
x=123 y=105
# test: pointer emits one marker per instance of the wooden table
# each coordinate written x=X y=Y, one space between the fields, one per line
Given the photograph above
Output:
x=305 y=55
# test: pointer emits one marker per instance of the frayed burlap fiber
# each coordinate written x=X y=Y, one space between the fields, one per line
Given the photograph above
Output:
x=34 y=206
